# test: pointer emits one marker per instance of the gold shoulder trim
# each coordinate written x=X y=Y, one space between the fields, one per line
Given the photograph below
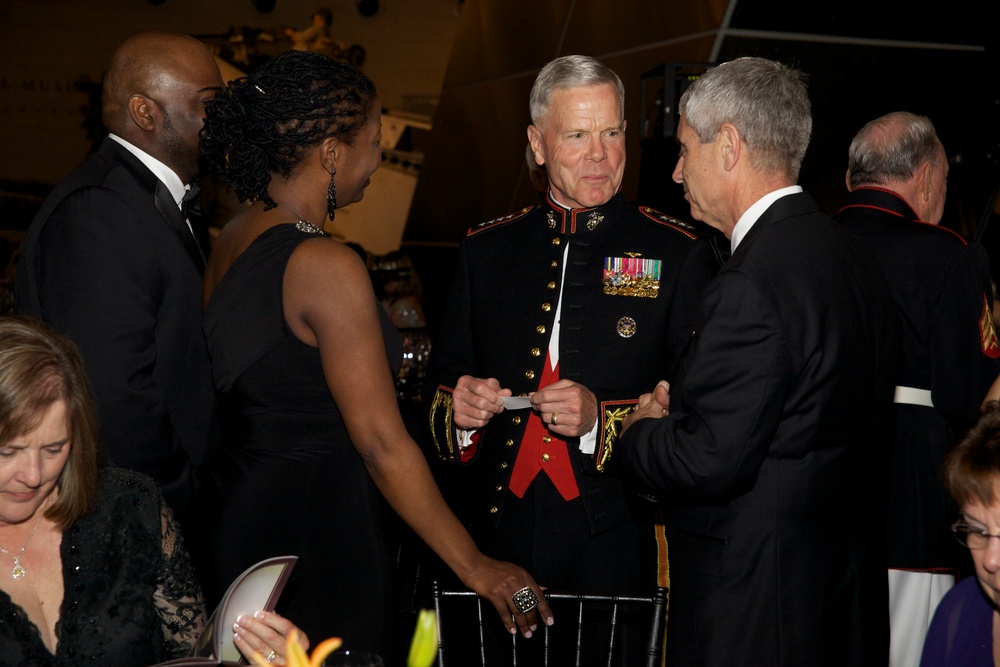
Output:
x=502 y=220
x=681 y=226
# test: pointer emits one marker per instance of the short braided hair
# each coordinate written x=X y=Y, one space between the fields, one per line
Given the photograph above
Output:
x=264 y=123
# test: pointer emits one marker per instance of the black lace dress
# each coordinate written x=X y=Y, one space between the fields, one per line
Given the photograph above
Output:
x=130 y=595
x=287 y=479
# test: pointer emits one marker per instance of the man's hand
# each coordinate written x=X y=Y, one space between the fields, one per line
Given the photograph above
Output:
x=655 y=405
x=476 y=401
x=570 y=409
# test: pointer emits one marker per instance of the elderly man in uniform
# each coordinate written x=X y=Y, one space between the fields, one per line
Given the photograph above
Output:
x=558 y=317
x=897 y=177
x=771 y=459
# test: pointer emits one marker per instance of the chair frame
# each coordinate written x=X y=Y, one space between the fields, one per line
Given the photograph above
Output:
x=655 y=644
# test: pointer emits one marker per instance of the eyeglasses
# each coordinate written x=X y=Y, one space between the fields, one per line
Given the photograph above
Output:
x=973 y=537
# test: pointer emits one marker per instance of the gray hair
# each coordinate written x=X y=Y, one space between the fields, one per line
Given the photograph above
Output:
x=890 y=148
x=765 y=100
x=571 y=72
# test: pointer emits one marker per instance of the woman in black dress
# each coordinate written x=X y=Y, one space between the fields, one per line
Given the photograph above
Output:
x=98 y=575
x=304 y=358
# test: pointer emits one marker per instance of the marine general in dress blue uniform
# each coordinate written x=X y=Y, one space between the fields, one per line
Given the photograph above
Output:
x=577 y=305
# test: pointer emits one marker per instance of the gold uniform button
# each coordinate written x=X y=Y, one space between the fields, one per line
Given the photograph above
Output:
x=494 y=510
x=529 y=374
x=509 y=443
x=556 y=241
x=536 y=352
x=552 y=284
x=554 y=264
x=540 y=328
x=546 y=439
x=545 y=458
x=499 y=487
x=546 y=306
x=504 y=465
x=516 y=419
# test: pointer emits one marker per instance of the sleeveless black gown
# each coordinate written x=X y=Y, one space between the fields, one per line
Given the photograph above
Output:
x=287 y=479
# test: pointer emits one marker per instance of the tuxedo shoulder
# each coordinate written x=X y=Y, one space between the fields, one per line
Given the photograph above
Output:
x=692 y=230
x=502 y=222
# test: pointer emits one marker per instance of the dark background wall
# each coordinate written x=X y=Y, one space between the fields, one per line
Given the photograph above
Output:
x=53 y=54
x=469 y=64
x=863 y=59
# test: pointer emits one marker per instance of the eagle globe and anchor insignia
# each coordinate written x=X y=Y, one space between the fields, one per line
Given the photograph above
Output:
x=626 y=327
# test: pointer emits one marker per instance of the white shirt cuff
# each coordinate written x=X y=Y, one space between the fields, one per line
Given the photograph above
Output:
x=588 y=441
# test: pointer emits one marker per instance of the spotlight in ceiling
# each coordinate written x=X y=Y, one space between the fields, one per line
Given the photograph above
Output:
x=368 y=8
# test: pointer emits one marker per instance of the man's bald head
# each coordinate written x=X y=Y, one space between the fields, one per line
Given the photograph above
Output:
x=155 y=90
x=901 y=152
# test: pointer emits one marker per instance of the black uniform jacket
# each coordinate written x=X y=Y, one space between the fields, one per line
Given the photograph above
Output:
x=617 y=341
x=110 y=261
x=941 y=284
x=771 y=463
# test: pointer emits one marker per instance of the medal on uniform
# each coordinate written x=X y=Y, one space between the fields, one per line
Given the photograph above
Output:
x=626 y=327
x=632 y=276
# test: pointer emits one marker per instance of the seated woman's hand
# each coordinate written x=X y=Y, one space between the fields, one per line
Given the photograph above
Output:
x=504 y=584
x=265 y=632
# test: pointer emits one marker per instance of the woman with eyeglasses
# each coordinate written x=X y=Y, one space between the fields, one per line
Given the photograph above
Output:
x=965 y=630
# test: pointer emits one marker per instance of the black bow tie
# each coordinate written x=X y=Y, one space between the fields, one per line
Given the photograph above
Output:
x=191 y=203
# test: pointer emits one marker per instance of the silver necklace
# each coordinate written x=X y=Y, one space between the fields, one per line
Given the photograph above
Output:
x=303 y=225
x=18 y=572
x=308 y=228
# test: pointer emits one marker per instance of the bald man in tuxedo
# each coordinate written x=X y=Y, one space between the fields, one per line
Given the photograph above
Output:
x=113 y=261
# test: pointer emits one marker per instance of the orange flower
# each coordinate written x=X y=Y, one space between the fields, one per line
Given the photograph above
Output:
x=295 y=655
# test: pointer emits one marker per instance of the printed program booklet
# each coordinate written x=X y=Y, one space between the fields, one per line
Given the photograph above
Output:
x=257 y=589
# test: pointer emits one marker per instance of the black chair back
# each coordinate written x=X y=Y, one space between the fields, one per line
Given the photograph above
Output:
x=619 y=620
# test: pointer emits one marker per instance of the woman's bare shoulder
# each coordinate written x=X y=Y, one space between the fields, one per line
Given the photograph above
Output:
x=323 y=256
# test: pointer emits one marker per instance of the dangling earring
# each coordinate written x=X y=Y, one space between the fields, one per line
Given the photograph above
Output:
x=331 y=195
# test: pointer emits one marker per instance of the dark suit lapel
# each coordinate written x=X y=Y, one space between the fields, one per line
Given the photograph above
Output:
x=164 y=201
x=166 y=205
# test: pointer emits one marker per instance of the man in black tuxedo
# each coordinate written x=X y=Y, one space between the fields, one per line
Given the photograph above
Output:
x=112 y=261
x=768 y=450
x=897 y=176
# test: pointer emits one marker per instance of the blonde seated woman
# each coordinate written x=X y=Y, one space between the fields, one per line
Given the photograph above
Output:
x=92 y=567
